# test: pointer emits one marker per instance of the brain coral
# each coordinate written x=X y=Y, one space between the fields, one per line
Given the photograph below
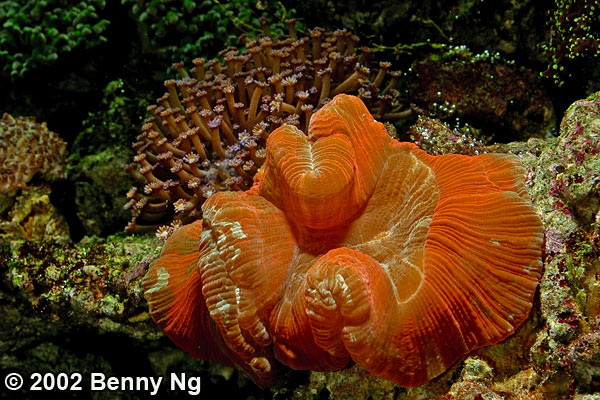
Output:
x=27 y=148
x=353 y=246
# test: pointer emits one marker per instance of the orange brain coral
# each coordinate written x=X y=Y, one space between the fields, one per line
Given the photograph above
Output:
x=351 y=245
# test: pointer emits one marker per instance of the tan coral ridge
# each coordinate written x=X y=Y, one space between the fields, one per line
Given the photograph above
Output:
x=351 y=246
x=28 y=148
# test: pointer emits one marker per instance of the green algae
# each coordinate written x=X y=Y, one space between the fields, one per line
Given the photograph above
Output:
x=68 y=307
x=101 y=184
x=86 y=281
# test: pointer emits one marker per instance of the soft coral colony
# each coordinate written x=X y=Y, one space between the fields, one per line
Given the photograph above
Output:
x=28 y=148
x=208 y=132
x=352 y=246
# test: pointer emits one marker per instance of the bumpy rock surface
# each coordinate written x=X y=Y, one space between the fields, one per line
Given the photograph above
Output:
x=486 y=91
x=30 y=215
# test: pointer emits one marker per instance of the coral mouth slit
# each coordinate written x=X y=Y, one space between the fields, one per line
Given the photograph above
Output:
x=351 y=245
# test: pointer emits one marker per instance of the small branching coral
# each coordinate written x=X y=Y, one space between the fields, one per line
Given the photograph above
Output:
x=208 y=132
x=27 y=148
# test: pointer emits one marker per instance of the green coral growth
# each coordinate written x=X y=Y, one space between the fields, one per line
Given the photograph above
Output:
x=34 y=33
x=573 y=38
x=114 y=124
x=183 y=29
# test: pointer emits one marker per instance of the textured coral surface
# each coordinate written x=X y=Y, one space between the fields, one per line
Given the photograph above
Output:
x=309 y=258
x=556 y=352
x=27 y=148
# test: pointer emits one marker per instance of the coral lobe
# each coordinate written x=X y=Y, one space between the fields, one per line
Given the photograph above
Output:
x=351 y=245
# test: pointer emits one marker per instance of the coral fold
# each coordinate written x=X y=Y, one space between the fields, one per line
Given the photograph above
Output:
x=353 y=246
